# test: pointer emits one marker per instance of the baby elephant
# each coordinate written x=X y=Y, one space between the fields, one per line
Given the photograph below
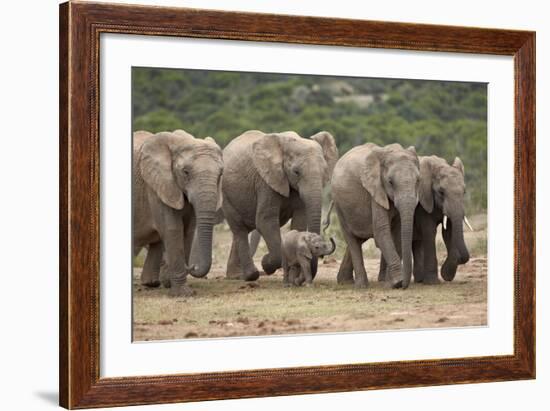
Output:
x=298 y=248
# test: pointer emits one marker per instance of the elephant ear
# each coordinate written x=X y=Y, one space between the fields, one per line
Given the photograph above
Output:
x=426 y=196
x=458 y=164
x=268 y=160
x=303 y=246
x=371 y=178
x=330 y=151
x=155 y=165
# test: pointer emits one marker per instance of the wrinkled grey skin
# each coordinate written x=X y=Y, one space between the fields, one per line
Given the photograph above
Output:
x=298 y=248
x=176 y=187
x=269 y=179
x=375 y=193
x=441 y=193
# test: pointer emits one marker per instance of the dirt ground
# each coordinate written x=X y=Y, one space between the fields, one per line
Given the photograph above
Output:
x=227 y=308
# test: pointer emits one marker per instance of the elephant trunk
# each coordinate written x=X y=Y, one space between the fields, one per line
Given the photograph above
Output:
x=458 y=253
x=312 y=197
x=458 y=241
x=205 y=211
x=333 y=249
x=406 y=213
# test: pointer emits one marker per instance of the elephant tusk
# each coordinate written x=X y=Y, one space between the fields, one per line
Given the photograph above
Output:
x=444 y=222
x=468 y=223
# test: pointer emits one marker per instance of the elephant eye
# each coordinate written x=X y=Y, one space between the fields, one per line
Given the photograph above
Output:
x=441 y=191
x=296 y=172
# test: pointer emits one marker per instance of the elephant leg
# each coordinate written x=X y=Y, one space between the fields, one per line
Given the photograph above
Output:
x=233 y=270
x=254 y=240
x=305 y=268
x=270 y=231
x=151 y=267
x=249 y=270
x=299 y=278
x=430 y=254
x=345 y=273
x=191 y=249
x=267 y=223
x=396 y=237
x=286 y=273
x=418 y=256
x=170 y=226
x=354 y=247
x=384 y=241
x=382 y=269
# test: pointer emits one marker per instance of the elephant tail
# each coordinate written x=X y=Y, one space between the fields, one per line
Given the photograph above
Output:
x=326 y=221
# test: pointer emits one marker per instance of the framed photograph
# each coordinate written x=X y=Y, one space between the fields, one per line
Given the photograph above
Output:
x=259 y=205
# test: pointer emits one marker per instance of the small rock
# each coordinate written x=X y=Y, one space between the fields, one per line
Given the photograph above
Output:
x=191 y=334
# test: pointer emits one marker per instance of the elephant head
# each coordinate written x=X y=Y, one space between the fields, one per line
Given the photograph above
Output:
x=312 y=244
x=287 y=161
x=179 y=168
x=442 y=186
x=391 y=173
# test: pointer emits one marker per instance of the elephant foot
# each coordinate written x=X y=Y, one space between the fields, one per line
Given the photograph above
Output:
x=287 y=285
x=166 y=283
x=179 y=287
x=233 y=275
x=298 y=282
x=361 y=282
x=270 y=266
x=309 y=285
x=182 y=290
x=419 y=275
x=151 y=284
x=251 y=276
x=396 y=285
x=431 y=280
x=345 y=277
x=394 y=278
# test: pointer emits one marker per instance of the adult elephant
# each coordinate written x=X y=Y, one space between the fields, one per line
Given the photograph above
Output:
x=373 y=189
x=441 y=195
x=268 y=179
x=176 y=187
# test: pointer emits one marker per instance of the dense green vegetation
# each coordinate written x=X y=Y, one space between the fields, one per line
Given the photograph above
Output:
x=444 y=118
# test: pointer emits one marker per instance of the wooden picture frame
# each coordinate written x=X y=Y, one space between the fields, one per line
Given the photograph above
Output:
x=80 y=27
